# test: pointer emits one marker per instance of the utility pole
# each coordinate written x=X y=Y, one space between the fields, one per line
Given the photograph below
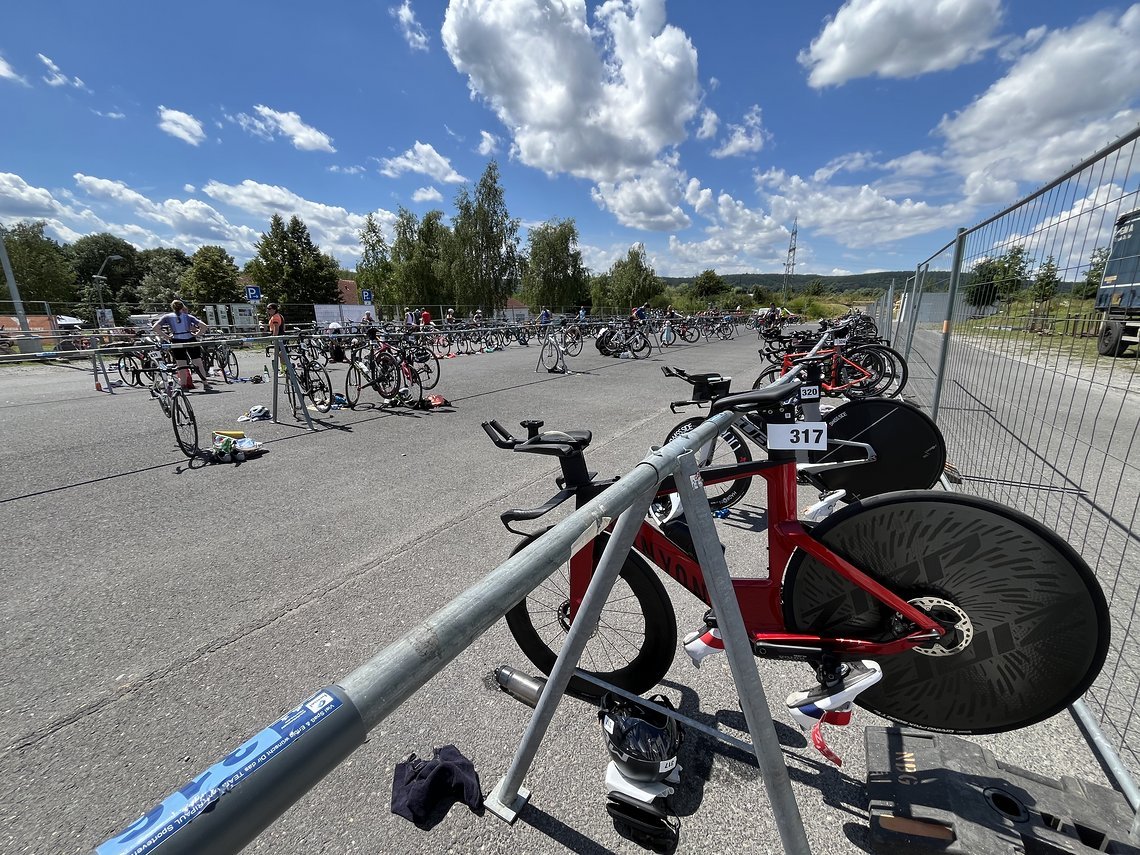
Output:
x=790 y=264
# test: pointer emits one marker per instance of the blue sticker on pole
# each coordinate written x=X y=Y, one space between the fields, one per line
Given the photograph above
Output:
x=253 y=293
x=366 y=296
x=181 y=807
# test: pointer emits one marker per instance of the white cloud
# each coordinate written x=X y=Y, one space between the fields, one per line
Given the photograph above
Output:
x=709 y=123
x=854 y=162
x=55 y=77
x=427 y=194
x=745 y=138
x=189 y=188
x=336 y=229
x=856 y=216
x=113 y=114
x=597 y=103
x=648 y=201
x=410 y=28
x=9 y=73
x=180 y=125
x=269 y=123
x=346 y=170
x=488 y=143
x=1072 y=94
x=738 y=239
x=424 y=159
x=900 y=38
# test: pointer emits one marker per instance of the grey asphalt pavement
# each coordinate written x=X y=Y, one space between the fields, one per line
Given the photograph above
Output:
x=158 y=614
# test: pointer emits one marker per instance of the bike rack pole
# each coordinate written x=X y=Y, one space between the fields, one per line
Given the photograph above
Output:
x=947 y=324
x=741 y=660
x=291 y=377
x=508 y=797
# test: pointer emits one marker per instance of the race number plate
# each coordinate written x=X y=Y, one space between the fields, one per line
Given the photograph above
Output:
x=809 y=393
x=793 y=437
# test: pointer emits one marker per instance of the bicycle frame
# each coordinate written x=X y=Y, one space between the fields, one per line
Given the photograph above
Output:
x=761 y=599
x=832 y=383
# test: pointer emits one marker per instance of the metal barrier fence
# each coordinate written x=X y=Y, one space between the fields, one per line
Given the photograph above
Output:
x=1001 y=342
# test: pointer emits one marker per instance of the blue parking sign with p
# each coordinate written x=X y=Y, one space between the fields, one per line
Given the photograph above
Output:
x=366 y=296
x=253 y=293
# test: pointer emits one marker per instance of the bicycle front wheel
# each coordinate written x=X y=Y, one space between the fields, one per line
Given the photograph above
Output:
x=549 y=355
x=636 y=636
x=230 y=367
x=1031 y=623
x=319 y=387
x=185 y=425
x=728 y=448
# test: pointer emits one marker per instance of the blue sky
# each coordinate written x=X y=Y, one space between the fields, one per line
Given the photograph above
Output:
x=700 y=129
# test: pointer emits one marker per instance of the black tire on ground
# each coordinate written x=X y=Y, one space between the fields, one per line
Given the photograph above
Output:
x=1111 y=342
x=353 y=380
x=185 y=425
x=1037 y=625
x=636 y=637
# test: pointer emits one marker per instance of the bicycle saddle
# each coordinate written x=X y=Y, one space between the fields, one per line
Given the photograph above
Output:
x=755 y=399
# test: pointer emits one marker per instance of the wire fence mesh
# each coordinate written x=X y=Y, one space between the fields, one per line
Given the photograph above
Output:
x=1006 y=355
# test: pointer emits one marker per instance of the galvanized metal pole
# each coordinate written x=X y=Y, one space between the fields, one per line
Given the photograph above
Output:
x=955 y=275
x=738 y=648
x=890 y=309
x=915 y=305
x=21 y=318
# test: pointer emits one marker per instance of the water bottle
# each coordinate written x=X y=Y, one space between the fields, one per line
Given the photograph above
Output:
x=519 y=685
x=721 y=514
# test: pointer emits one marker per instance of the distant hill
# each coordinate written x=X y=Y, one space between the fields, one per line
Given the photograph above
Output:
x=775 y=281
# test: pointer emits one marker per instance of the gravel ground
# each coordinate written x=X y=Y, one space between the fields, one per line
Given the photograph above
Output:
x=158 y=614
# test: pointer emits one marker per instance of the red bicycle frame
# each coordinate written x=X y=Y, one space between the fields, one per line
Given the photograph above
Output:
x=835 y=356
x=760 y=599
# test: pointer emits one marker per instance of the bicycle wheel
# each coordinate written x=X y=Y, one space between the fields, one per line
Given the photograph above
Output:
x=573 y=341
x=909 y=449
x=728 y=448
x=427 y=366
x=549 y=355
x=353 y=381
x=230 y=367
x=690 y=334
x=636 y=636
x=185 y=425
x=129 y=369
x=386 y=374
x=1031 y=621
x=887 y=367
x=319 y=386
x=639 y=345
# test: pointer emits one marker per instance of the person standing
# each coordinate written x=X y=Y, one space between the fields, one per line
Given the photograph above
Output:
x=581 y=314
x=183 y=328
x=276 y=320
x=425 y=319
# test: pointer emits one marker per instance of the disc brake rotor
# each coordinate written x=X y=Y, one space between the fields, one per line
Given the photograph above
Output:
x=961 y=630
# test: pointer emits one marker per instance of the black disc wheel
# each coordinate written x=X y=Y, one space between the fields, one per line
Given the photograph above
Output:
x=1030 y=623
x=185 y=425
x=909 y=449
x=727 y=449
x=634 y=642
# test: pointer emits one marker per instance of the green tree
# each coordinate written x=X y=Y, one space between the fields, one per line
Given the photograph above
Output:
x=632 y=281
x=421 y=259
x=41 y=266
x=709 y=285
x=815 y=288
x=982 y=288
x=1046 y=282
x=162 y=269
x=485 y=266
x=374 y=269
x=291 y=269
x=552 y=272
x=120 y=289
x=1086 y=290
x=1015 y=266
x=211 y=278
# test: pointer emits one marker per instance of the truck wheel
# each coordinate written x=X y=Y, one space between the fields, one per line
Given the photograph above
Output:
x=1110 y=341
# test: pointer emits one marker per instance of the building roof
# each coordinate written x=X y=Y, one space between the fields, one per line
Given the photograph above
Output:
x=348 y=292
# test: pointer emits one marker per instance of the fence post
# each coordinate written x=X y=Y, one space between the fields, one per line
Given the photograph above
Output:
x=890 y=309
x=955 y=275
x=916 y=304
